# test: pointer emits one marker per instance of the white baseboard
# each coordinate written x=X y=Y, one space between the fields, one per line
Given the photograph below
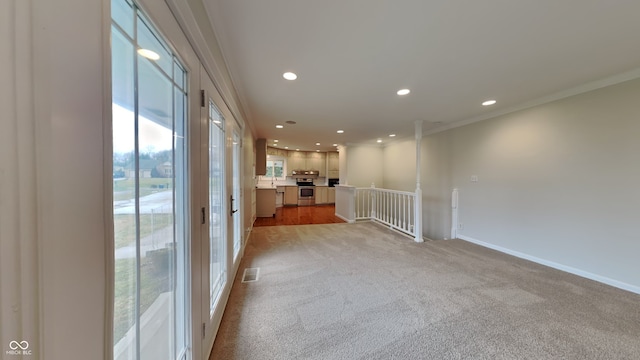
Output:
x=345 y=219
x=569 y=269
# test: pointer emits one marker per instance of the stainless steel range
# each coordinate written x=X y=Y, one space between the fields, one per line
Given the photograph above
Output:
x=306 y=189
x=306 y=192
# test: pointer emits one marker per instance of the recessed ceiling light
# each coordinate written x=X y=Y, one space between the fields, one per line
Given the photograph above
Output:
x=289 y=76
x=488 y=102
x=403 y=91
x=335 y=144
x=286 y=147
x=275 y=140
x=279 y=126
x=317 y=150
x=317 y=144
x=149 y=54
x=340 y=131
x=392 y=135
x=379 y=140
x=297 y=149
x=275 y=144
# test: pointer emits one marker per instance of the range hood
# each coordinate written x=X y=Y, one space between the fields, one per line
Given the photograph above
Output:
x=305 y=174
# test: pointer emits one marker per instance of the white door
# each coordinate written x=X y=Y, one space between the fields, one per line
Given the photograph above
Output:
x=215 y=249
x=236 y=200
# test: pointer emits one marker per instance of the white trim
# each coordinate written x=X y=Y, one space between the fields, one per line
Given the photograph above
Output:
x=345 y=219
x=590 y=86
x=454 y=213
x=565 y=268
x=107 y=128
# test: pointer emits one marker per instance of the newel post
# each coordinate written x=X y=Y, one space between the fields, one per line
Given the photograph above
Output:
x=418 y=200
x=372 y=205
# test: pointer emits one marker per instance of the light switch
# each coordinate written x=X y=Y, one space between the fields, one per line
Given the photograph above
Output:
x=474 y=178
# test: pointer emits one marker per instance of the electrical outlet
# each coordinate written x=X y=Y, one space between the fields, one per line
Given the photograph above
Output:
x=474 y=178
x=460 y=226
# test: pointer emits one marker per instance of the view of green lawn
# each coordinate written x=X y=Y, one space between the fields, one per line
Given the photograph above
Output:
x=124 y=189
x=154 y=270
x=125 y=227
x=154 y=280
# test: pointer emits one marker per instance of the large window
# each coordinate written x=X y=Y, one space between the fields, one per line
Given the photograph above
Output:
x=150 y=207
x=275 y=169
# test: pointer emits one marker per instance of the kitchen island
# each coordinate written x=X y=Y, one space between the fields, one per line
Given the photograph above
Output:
x=265 y=202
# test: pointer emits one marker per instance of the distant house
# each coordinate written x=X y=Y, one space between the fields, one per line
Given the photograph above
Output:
x=163 y=170
x=145 y=167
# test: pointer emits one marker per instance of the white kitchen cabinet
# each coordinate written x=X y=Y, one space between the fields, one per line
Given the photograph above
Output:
x=334 y=160
x=266 y=202
x=321 y=195
x=331 y=195
x=276 y=152
x=290 y=195
x=295 y=161
x=261 y=156
x=333 y=165
x=317 y=161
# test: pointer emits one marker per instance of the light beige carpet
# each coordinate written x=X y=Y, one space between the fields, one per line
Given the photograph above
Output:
x=360 y=291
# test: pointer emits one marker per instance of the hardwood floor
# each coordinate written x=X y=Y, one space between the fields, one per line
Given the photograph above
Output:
x=301 y=215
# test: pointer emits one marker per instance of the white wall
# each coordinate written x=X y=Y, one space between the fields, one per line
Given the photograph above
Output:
x=399 y=159
x=70 y=98
x=52 y=177
x=400 y=174
x=365 y=165
x=19 y=241
x=558 y=182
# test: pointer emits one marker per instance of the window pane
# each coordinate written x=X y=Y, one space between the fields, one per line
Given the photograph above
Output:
x=151 y=211
x=179 y=76
x=237 y=203
x=278 y=168
x=269 y=172
x=122 y=14
x=147 y=40
x=155 y=100
x=156 y=191
x=217 y=236
x=124 y=184
x=122 y=53
x=181 y=220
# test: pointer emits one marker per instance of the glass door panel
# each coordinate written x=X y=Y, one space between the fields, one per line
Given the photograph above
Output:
x=217 y=233
x=237 y=201
x=214 y=254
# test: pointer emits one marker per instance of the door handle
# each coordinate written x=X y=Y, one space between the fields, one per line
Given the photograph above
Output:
x=231 y=211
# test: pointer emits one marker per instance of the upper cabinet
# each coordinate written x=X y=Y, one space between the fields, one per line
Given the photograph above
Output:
x=276 y=152
x=317 y=161
x=261 y=156
x=296 y=160
x=308 y=160
x=333 y=165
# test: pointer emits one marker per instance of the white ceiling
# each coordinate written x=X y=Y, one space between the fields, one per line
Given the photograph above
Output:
x=351 y=56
